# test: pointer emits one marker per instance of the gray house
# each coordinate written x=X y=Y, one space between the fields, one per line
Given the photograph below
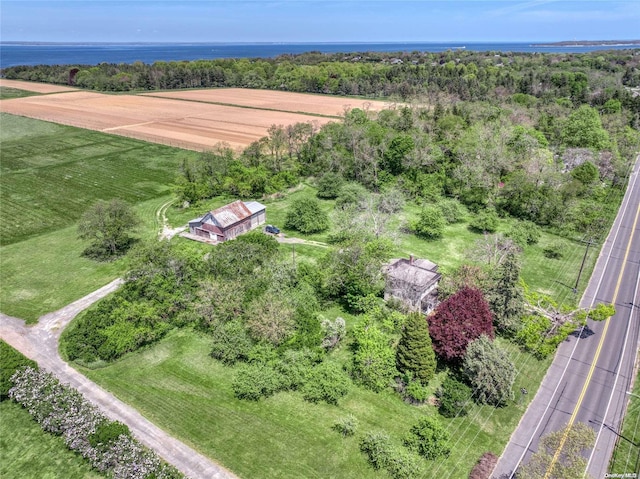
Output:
x=412 y=281
x=229 y=221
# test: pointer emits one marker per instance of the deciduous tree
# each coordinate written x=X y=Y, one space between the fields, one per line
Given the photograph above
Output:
x=561 y=454
x=108 y=225
x=307 y=216
x=459 y=320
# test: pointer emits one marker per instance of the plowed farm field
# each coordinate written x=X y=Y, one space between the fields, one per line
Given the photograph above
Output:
x=195 y=120
x=274 y=100
x=34 y=86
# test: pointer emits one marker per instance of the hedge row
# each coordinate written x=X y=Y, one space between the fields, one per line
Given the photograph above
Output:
x=106 y=444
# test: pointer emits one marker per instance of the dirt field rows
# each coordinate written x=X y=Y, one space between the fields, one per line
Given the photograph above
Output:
x=275 y=100
x=195 y=120
x=35 y=87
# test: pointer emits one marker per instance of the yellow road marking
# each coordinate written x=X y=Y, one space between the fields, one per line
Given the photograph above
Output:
x=597 y=355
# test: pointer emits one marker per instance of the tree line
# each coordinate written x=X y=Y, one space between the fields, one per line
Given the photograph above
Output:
x=595 y=77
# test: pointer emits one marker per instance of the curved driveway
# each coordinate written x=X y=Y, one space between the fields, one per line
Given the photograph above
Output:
x=40 y=343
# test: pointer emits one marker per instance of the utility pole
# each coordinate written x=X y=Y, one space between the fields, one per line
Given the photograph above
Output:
x=584 y=258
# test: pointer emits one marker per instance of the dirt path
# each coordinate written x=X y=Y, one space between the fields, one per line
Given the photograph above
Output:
x=40 y=343
x=166 y=231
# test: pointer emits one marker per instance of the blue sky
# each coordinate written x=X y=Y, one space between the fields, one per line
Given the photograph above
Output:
x=317 y=21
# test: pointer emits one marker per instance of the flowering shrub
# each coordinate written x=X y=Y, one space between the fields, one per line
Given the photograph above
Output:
x=63 y=411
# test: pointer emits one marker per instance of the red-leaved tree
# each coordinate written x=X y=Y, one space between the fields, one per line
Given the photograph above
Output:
x=459 y=320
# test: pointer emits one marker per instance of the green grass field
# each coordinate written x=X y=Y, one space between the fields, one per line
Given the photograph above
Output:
x=27 y=452
x=626 y=455
x=178 y=386
x=6 y=93
x=46 y=272
x=52 y=173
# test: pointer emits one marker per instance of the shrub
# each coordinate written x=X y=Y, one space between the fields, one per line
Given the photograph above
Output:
x=428 y=438
x=403 y=464
x=416 y=393
x=485 y=222
x=452 y=210
x=524 y=233
x=64 y=411
x=383 y=454
x=334 y=331
x=455 y=398
x=329 y=185
x=326 y=382
x=295 y=367
x=11 y=360
x=374 y=358
x=346 y=425
x=254 y=381
x=430 y=223
x=350 y=196
x=107 y=432
x=553 y=251
x=231 y=343
x=307 y=216
x=377 y=447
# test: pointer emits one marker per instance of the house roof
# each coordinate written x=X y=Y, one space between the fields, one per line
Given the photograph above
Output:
x=419 y=272
x=231 y=214
x=255 y=207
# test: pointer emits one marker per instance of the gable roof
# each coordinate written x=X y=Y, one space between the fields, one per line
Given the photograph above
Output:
x=255 y=207
x=231 y=214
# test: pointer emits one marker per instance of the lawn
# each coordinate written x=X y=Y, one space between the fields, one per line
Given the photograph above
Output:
x=6 y=93
x=52 y=173
x=626 y=455
x=27 y=452
x=178 y=386
x=46 y=272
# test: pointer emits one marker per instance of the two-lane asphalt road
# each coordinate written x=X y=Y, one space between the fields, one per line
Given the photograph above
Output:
x=591 y=374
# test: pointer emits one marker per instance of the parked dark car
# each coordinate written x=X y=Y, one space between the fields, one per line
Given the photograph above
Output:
x=272 y=229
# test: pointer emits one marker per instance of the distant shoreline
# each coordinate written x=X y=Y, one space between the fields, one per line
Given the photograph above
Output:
x=590 y=43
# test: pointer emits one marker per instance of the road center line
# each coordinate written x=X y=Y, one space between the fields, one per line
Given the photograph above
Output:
x=597 y=354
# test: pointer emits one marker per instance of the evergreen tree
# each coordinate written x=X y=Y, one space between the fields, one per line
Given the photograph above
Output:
x=415 y=353
x=490 y=372
x=506 y=298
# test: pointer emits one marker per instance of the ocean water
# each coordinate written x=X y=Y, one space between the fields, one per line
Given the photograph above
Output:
x=12 y=54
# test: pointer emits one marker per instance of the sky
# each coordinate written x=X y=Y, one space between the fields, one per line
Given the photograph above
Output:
x=234 y=21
